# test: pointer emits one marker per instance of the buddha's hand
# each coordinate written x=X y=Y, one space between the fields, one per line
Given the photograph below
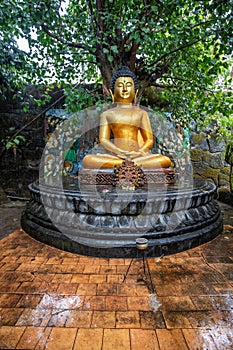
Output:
x=136 y=154
x=128 y=154
x=122 y=155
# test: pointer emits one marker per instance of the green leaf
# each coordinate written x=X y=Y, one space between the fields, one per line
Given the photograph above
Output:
x=110 y=58
x=20 y=137
x=114 y=49
x=9 y=145
x=16 y=142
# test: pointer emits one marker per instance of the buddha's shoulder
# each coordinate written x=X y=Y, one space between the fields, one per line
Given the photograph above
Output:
x=118 y=111
x=109 y=113
x=140 y=111
x=110 y=110
x=138 y=108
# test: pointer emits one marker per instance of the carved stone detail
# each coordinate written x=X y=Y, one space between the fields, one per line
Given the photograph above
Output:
x=136 y=174
x=129 y=176
x=75 y=220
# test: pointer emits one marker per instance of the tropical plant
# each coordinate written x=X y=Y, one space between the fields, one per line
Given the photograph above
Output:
x=180 y=47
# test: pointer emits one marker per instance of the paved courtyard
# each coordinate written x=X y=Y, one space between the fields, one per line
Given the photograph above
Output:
x=51 y=299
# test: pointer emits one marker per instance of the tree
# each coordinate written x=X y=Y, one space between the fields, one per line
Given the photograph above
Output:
x=178 y=46
x=12 y=59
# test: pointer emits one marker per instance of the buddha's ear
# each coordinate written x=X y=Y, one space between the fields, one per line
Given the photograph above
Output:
x=105 y=90
x=111 y=93
x=135 y=97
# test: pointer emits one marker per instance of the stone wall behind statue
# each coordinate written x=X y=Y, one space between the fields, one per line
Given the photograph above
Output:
x=208 y=158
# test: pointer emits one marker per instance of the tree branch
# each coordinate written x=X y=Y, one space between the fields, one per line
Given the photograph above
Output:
x=171 y=52
x=201 y=23
x=133 y=52
x=191 y=82
x=68 y=43
x=92 y=14
x=162 y=86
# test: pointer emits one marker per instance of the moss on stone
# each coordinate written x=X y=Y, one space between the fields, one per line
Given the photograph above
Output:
x=213 y=160
x=223 y=180
x=206 y=172
x=198 y=138
x=196 y=155
x=225 y=170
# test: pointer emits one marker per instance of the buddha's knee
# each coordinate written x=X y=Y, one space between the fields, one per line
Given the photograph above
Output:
x=88 y=160
x=166 y=162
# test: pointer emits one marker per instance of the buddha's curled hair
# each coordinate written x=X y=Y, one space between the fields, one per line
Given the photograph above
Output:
x=123 y=71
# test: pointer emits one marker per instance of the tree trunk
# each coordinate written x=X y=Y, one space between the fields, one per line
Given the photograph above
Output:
x=107 y=68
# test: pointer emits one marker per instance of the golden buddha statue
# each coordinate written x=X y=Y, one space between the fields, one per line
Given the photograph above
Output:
x=129 y=125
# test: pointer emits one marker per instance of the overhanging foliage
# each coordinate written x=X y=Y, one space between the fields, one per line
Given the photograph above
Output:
x=179 y=46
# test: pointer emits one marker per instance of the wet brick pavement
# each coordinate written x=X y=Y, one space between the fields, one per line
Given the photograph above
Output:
x=50 y=299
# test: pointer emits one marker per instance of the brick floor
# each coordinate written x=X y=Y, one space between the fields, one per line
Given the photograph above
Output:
x=50 y=299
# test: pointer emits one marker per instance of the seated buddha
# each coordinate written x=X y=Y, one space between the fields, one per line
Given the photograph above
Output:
x=125 y=130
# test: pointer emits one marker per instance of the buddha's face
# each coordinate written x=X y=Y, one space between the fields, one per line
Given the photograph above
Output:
x=124 y=90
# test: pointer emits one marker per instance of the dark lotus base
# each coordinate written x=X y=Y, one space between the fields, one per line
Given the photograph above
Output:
x=105 y=222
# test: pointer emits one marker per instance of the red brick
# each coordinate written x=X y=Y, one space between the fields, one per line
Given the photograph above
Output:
x=171 y=339
x=89 y=339
x=91 y=269
x=103 y=319
x=176 y=303
x=10 y=316
x=86 y=289
x=31 y=337
x=45 y=333
x=9 y=300
x=79 y=319
x=62 y=278
x=108 y=269
x=138 y=303
x=58 y=318
x=9 y=336
x=124 y=289
x=196 y=338
x=98 y=278
x=127 y=319
x=80 y=278
x=116 y=339
x=29 y=301
x=116 y=303
x=67 y=288
x=94 y=303
x=61 y=338
x=106 y=289
x=144 y=339
x=34 y=317
x=9 y=287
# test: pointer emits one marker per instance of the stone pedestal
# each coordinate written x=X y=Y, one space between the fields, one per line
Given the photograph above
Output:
x=104 y=221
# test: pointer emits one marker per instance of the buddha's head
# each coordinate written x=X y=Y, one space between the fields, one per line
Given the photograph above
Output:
x=123 y=85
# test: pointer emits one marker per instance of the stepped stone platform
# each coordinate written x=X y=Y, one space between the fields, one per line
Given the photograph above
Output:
x=105 y=221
